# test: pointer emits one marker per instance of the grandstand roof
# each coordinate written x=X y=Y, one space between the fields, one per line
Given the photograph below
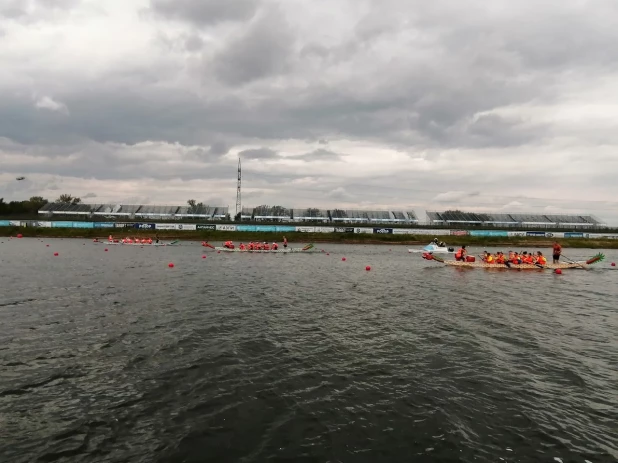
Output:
x=511 y=218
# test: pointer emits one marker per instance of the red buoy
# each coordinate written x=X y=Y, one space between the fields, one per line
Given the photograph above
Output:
x=170 y=265
x=613 y=264
x=47 y=245
x=558 y=271
x=368 y=268
x=343 y=258
x=105 y=249
x=328 y=253
x=19 y=235
x=203 y=257
x=55 y=253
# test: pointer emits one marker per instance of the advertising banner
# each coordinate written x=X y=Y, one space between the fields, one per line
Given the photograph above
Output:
x=186 y=226
x=403 y=231
x=285 y=228
x=16 y=223
x=164 y=226
x=459 y=232
x=41 y=224
x=536 y=233
x=325 y=229
x=573 y=235
x=488 y=233
x=144 y=226
x=234 y=227
x=62 y=224
x=205 y=226
x=555 y=235
x=123 y=225
x=363 y=230
x=434 y=232
x=382 y=231
x=265 y=228
x=104 y=225
x=305 y=229
x=5 y=223
x=83 y=224
x=344 y=229
x=513 y=234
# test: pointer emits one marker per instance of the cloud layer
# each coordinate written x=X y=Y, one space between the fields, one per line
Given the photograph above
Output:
x=359 y=104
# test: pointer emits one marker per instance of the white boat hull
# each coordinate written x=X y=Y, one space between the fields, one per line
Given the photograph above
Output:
x=435 y=249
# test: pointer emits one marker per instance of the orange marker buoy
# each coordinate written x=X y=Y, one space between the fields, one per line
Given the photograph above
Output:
x=558 y=271
x=55 y=253
x=368 y=268
x=170 y=265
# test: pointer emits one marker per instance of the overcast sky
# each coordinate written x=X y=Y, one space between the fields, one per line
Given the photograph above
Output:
x=406 y=104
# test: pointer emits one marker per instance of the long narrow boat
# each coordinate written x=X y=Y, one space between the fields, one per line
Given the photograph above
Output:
x=120 y=243
x=308 y=249
x=563 y=266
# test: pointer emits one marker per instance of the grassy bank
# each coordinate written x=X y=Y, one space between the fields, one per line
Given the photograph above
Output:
x=515 y=243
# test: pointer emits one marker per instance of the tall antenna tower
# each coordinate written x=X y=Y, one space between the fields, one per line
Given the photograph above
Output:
x=238 y=202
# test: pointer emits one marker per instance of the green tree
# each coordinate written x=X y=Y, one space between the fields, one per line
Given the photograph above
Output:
x=68 y=199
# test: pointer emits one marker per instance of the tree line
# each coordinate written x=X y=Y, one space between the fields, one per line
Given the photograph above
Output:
x=31 y=206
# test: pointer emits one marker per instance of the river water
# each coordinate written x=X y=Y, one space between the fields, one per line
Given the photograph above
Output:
x=115 y=357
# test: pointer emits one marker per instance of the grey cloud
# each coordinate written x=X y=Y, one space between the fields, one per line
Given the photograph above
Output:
x=319 y=155
x=263 y=50
x=34 y=10
x=89 y=195
x=259 y=154
x=204 y=12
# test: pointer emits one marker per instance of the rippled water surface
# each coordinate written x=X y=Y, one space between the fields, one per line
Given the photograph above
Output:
x=115 y=357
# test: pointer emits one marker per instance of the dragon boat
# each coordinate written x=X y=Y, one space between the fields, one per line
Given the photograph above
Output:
x=305 y=249
x=153 y=244
x=508 y=265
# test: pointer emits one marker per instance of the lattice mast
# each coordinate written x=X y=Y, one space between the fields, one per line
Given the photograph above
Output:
x=238 y=201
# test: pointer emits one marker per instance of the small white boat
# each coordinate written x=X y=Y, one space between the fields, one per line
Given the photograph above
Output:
x=434 y=248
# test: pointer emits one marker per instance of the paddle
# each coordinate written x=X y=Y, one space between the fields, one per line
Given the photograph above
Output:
x=307 y=247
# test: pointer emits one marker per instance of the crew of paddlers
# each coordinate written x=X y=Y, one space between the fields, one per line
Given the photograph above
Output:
x=252 y=246
x=500 y=258
x=129 y=240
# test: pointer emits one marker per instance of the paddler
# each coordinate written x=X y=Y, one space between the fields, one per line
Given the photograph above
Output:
x=461 y=253
x=540 y=259
x=557 y=250
x=500 y=258
x=285 y=242
x=241 y=247
x=489 y=259
x=266 y=246
x=111 y=238
x=275 y=246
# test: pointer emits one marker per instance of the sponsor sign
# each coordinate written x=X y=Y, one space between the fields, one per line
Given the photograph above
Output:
x=427 y=231
x=324 y=229
x=164 y=226
x=488 y=233
x=403 y=231
x=186 y=226
x=234 y=227
x=123 y=225
x=305 y=229
x=62 y=224
x=144 y=226
x=382 y=231
x=517 y=233
x=265 y=228
x=104 y=225
x=15 y=223
x=573 y=235
x=458 y=232
x=5 y=223
x=204 y=226
x=363 y=230
x=42 y=224
x=83 y=225
x=555 y=234
x=535 y=233
x=285 y=228
x=344 y=229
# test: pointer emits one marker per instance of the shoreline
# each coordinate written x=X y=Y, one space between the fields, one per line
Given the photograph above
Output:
x=299 y=237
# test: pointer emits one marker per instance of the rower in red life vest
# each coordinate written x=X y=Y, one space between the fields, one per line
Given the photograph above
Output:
x=111 y=238
x=541 y=258
x=285 y=242
x=241 y=247
x=229 y=245
x=266 y=246
x=275 y=246
x=461 y=253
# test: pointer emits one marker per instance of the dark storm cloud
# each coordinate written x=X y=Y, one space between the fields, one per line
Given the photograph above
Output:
x=204 y=12
x=263 y=50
